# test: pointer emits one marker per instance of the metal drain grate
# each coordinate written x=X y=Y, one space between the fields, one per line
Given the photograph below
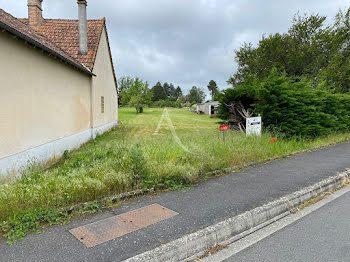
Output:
x=102 y=231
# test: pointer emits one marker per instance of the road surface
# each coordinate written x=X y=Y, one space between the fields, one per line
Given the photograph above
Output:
x=323 y=235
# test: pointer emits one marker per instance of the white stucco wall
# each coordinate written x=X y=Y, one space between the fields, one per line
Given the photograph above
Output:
x=49 y=151
x=42 y=99
x=104 y=85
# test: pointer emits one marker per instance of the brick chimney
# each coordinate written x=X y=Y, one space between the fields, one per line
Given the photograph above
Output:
x=83 y=43
x=35 y=13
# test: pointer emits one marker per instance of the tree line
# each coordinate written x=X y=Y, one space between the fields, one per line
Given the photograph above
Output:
x=137 y=93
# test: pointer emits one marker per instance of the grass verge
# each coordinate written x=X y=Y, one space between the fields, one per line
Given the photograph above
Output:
x=130 y=157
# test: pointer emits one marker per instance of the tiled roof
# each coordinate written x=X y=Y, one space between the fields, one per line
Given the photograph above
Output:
x=22 y=30
x=65 y=34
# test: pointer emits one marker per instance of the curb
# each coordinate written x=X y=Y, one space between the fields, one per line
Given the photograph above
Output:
x=237 y=227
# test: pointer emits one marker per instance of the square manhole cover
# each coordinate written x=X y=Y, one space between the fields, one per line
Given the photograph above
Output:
x=117 y=226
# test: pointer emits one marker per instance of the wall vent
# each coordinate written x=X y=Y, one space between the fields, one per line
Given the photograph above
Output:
x=102 y=105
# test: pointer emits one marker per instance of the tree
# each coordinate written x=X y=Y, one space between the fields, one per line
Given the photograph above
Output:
x=178 y=93
x=171 y=92
x=158 y=92
x=140 y=94
x=336 y=76
x=166 y=87
x=124 y=85
x=213 y=88
x=138 y=103
x=310 y=50
x=196 y=95
x=184 y=99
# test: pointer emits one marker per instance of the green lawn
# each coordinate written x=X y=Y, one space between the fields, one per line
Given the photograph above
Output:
x=131 y=157
x=183 y=120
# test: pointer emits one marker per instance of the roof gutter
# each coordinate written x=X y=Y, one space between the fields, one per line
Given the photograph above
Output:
x=45 y=48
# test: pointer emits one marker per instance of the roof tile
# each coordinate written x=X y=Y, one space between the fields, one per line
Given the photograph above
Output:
x=65 y=34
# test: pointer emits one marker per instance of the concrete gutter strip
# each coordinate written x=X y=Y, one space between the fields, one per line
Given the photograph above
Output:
x=239 y=226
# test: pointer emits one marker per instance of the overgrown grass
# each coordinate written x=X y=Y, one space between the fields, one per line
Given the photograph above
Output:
x=21 y=223
x=130 y=157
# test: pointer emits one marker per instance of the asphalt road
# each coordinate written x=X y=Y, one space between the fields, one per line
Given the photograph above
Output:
x=203 y=205
x=322 y=236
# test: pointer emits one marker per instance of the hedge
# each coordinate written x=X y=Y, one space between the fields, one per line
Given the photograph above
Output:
x=291 y=107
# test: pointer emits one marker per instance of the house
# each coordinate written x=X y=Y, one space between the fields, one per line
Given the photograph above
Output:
x=58 y=86
x=208 y=108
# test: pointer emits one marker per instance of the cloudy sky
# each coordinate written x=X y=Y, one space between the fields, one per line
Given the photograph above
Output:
x=186 y=42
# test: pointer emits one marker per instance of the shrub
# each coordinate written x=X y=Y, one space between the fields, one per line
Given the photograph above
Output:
x=168 y=103
x=292 y=108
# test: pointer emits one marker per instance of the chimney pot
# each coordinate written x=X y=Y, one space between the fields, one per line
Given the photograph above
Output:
x=83 y=44
x=35 y=13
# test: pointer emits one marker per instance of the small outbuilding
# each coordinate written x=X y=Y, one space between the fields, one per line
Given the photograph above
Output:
x=208 y=108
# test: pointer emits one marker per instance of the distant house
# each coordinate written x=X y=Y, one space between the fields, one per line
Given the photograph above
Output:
x=58 y=85
x=208 y=108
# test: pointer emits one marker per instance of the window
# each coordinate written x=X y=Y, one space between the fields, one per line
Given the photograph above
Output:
x=102 y=105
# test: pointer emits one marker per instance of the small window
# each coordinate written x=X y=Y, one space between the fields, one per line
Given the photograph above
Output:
x=102 y=105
